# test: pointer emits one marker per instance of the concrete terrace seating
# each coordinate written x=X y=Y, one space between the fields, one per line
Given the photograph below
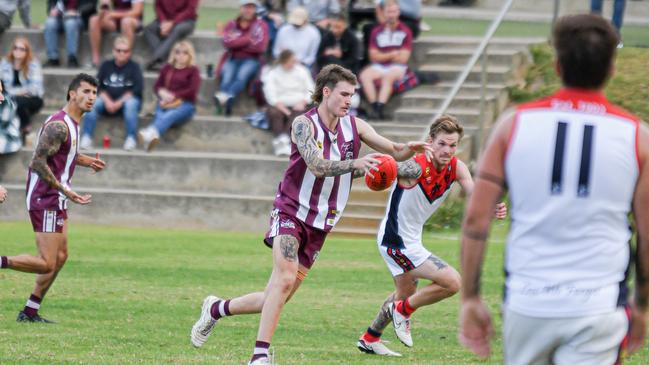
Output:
x=218 y=172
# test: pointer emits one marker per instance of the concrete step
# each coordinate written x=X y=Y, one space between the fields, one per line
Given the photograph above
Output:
x=169 y=171
x=362 y=221
x=462 y=55
x=423 y=99
x=448 y=72
x=209 y=134
x=187 y=210
x=423 y=116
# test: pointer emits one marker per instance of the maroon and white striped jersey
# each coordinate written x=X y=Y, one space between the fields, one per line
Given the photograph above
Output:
x=41 y=196
x=319 y=202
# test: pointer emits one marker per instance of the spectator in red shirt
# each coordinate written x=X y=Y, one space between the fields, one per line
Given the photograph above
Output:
x=176 y=89
x=175 y=20
x=114 y=15
x=389 y=51
x=245 y=39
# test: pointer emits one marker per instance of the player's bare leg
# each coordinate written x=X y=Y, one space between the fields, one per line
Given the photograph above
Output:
x=370 y=341
x=214 y=308
x=53 y=252
x=285 y=267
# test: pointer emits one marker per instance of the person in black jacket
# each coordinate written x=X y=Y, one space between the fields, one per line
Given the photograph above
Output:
x=120 y=89
x=339 y=46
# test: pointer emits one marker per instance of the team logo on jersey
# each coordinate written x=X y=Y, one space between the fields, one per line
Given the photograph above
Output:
x=319 y=145
x=287 y=224
x=347 y=150
x=315 y=255
x=60 y=222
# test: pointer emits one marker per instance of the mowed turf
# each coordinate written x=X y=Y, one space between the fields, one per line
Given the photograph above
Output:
x=129 y=296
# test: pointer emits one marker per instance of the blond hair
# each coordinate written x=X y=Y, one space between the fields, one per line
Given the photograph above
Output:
x=190 y=50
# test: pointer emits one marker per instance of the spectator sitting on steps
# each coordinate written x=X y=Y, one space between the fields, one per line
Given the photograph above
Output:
x=300 y=36
x=175 y=20
x=23 y=80
x=287 y=88
x=177 y=89
x=62 y=14
x=389 y=51
x=8 y=9
x=125 y=16
x=339 y=46
x=120 y=89
x=245 y=40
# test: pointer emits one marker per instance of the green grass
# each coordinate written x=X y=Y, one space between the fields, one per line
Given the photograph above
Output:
x=209 y=17
x=628 y=88
x=130 y=296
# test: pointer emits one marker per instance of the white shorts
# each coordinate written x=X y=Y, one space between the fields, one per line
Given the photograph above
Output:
x=593 y=339
x=383 y=69
x=403 y=260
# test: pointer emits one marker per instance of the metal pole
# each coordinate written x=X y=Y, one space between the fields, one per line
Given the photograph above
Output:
x=555 y=14
x=475 y=152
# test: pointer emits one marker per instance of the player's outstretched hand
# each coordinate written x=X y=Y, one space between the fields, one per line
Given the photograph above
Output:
x=422 y=147
x=638 y=331
x=501 y=210
x=79 y=199
x=476 y=328
x=367 y=163
x=3 y=194
x=97 y=164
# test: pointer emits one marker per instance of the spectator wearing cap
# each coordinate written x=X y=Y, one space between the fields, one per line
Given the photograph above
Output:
x=175 y=20
x=300 y=36
x=320 y=11
x=339 y=46
x=245 y=40
x=389 y=51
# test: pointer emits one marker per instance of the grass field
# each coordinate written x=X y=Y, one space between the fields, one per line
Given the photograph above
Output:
x=130 y=296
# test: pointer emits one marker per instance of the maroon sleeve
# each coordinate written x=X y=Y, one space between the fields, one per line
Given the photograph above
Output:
x=188 y=12
x=407 y=42
x=160 y=81
x=159 y=12
x=258 y=37
x=189 y=93
x=373 y=35
x=233 y=38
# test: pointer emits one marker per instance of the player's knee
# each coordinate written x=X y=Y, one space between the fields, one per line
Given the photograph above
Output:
x=47 y=267
x=285 y=281
x=62 y=258
x=453 y=282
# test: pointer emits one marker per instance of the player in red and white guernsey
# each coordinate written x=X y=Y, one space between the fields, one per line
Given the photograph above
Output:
x=575 y=166
x=49 y=190
x=310 y=200
x=421 y=188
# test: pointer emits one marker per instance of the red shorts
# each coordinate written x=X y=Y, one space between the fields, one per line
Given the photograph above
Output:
x=48 y=221
x=310 y=239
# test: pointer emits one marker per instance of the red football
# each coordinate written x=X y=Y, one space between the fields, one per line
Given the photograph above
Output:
x=386 y=175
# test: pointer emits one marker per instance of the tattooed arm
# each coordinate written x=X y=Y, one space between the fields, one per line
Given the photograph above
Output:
x=302 y=134
x=54 y=134
x=408 y=172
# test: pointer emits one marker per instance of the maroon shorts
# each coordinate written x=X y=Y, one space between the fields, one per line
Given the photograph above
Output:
x=310 y=239
x=48 y=221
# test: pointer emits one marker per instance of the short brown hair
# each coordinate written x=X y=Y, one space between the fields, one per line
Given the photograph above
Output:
x=330 y=76
x=446 y=124
x=585 y=46
x=284 y=56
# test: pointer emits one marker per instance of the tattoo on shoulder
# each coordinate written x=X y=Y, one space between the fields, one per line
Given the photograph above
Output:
x=409 y=169
x=288 y=245
x=54 y=134
x=310 y=152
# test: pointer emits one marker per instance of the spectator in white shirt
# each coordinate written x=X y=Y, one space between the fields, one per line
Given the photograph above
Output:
x=300 y=36
x=287 y=88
